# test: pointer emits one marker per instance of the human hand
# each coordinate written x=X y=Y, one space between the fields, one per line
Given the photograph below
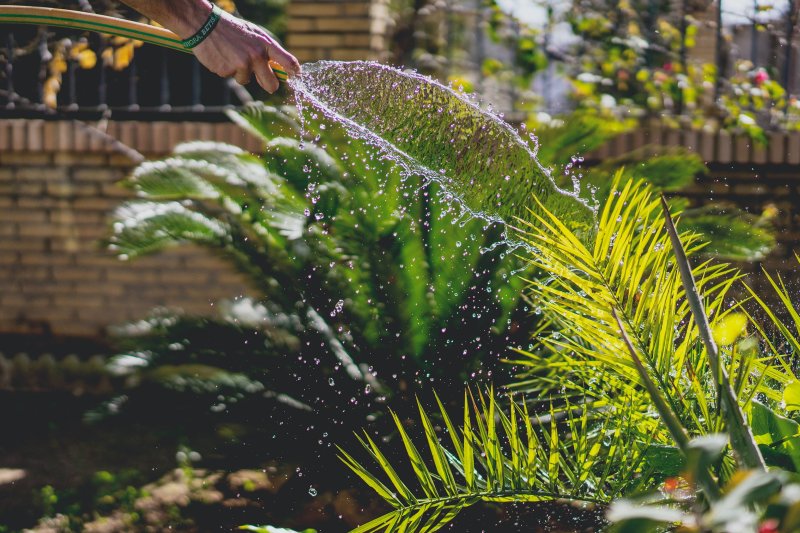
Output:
x=239 y=49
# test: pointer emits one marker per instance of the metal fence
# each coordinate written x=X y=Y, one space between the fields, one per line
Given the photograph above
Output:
x=155 y=82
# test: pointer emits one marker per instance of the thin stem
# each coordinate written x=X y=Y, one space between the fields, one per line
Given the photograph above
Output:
x=742 y=440
x=674 y=426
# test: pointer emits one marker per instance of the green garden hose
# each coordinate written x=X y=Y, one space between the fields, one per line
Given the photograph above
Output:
x=78 y=20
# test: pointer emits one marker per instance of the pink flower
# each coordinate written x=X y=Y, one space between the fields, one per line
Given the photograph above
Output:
x=760 y=77
x=770 y=525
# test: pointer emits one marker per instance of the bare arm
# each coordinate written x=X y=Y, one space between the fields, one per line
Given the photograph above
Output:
x=236 y=48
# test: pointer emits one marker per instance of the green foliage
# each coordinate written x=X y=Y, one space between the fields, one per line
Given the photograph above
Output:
x=628 y=346
x=730 y=232
x=629 y=270
x=500 y=455
x=478 y=159
x=270 y=529
x=753 y=501
x=351 y=256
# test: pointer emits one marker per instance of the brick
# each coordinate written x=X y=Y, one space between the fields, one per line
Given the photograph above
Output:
x=19 y=300
x=97 y=204
x=45 y=230
x=121 y=161
x=691 y=140
x=19 y=136
x=360 y=41
x=304 y=40
x=777 y=147
x=60 y=189
x=5 y=136
x=742 y=147
x=45 y=259
x=724 y=147
x=315 y=9
x=70 y=216
x=76 y=274
x=24 y=215
x=114 y=190
x=707 y=146
x=73 y=159
x=344 y=24
x=35 y=135
x=357 y=9
x=104 y=290
x=306 y=55
x=79 y=301
x=32 y=273
x=28 y=202
x=349 y=54
x=793 y=149
x=759 y=153
x=66 y=133
x=300 y=25
x=41 y=173
x=25 y=159
x=28 y=188
x=122 y=275
x=50 y=136
x=9 y=259
x=189 y=277
x=78 y=329
x=106 y=175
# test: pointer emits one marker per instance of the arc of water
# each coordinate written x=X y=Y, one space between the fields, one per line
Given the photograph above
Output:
x=78 y=20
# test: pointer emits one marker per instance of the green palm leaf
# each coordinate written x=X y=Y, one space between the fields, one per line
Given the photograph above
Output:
x=630 y=271
x=498 y=455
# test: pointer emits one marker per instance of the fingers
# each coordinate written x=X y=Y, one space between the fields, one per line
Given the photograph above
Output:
x=264 y=75
x=243 y=76
x=287 y=60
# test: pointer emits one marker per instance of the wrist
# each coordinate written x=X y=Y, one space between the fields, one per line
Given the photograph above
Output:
x=188 y=16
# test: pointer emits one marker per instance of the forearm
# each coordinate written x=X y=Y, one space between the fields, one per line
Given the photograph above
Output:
x=183 y=17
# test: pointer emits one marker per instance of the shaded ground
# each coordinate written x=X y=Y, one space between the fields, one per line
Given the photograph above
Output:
x=168 y=463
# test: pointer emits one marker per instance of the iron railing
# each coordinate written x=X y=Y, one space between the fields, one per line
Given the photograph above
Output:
x=157 y=82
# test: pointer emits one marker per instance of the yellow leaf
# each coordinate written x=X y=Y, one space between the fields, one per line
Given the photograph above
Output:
x=730 y=328
x=50 y=91
x=123 y=56
x=58 y=64
x=76 y=49
x=87 y=59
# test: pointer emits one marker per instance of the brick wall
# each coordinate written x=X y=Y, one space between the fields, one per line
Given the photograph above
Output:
x=343 y=30
x=57 y=188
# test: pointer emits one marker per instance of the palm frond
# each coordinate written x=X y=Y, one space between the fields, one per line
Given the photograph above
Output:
x=630 y=270
x=499 y=455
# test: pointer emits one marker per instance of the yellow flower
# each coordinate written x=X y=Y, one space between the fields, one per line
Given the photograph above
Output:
x=87 y=59
x=123 y=56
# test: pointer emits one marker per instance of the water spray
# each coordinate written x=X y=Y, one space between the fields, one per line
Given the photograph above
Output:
x=78 y=20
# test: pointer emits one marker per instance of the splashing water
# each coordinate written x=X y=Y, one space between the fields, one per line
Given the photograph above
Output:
x=440 y=135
